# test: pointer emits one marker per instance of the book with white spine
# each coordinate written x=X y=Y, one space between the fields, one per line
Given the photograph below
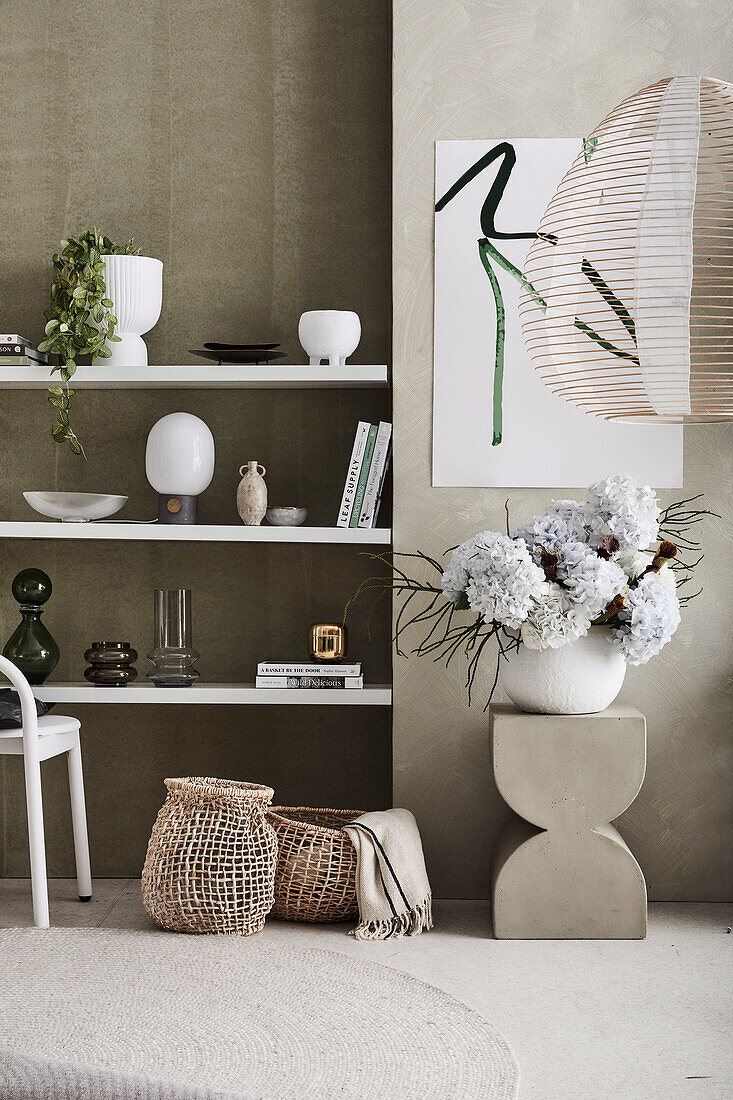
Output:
x=338 y=683
x=14 y=338
x=377 y=473
x=366 y=463
x=297 y=668
x=381 y=485
x=352 y=474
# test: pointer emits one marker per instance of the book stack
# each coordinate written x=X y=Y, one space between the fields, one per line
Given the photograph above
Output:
x=16 y=351
x=275 y=674
x=365 y=477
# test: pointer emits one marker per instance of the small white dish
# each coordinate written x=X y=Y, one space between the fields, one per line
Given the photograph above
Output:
x=75 y=507
x=286 y=517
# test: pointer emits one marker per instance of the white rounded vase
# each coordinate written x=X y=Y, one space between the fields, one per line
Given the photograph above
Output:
x=331 y=334
x=135 y=286
x=581 y=678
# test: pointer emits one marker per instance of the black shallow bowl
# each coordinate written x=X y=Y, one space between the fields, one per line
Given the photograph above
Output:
x=212 y=345
x=242 y=358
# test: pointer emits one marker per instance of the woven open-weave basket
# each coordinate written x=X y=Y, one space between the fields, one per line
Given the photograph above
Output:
x=211 y=858
x=316 y=864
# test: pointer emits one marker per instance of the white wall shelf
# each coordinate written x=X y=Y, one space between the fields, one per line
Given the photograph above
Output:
x=195 y=532
x=203 y=376
x=378 y=695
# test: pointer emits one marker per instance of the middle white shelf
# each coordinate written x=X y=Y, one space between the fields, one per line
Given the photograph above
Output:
x=195 y=532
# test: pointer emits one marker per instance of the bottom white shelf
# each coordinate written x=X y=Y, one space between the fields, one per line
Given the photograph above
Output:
x=378 y=695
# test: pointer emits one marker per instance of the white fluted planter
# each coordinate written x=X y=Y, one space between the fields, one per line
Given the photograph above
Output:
x=135 y=286
x=582 y=678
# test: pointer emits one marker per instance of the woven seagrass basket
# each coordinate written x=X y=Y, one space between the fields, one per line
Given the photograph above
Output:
x=211 y=858
x=316 y=864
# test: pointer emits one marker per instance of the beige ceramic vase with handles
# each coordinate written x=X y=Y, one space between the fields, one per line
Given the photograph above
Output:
x=252 y=494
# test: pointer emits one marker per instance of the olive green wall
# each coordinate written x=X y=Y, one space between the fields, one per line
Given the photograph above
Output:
x=246 y=144
x=547 y=68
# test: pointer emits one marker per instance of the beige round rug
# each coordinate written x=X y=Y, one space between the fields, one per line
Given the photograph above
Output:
x=244 y=1016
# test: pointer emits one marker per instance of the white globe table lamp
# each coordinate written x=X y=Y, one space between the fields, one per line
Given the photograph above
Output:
x=179 y=464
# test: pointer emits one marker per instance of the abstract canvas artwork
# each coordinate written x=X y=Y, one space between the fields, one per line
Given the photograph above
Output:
x=494 y=421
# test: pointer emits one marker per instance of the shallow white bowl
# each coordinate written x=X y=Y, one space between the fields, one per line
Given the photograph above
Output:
x=75 y=507
x=286 y=517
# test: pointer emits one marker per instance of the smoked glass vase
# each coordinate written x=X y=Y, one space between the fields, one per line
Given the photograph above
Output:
x=31 y=646
x=173 y=657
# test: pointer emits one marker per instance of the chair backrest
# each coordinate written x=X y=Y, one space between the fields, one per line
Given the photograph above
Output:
x=27 y=704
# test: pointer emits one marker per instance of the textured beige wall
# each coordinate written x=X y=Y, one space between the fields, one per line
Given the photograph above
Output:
x=547 y=68
x=246 y=144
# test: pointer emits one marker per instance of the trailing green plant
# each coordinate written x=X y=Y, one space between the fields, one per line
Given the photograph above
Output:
x=80 y=319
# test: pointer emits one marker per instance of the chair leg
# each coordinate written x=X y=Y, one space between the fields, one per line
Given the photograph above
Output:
x=79 y=824
x=36 y=843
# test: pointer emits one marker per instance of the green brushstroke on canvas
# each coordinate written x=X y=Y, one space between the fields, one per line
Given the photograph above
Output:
x=484 y=250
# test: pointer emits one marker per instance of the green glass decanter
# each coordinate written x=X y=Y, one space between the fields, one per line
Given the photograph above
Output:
x=31 y=647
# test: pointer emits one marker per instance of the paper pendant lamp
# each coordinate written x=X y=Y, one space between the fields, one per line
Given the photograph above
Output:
x=628 y=307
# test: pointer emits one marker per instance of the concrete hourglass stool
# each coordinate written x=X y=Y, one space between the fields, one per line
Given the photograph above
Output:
x=559 y=869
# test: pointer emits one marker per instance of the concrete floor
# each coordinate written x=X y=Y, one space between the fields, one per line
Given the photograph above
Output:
x=588 y=1020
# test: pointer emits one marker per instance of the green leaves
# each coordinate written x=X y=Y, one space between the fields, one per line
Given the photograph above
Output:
x=79 y=321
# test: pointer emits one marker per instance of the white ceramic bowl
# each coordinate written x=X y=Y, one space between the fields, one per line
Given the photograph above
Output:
x=583 y=677
x=331 y=334
x=75 y=507
x=286 y=517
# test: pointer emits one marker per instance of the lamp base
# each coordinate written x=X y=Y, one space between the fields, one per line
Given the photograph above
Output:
x=177 y=509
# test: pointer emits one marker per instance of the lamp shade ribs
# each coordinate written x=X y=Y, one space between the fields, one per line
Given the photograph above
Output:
x=627 y=310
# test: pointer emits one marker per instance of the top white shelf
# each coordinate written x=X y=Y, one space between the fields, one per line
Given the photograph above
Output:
x=199 y=377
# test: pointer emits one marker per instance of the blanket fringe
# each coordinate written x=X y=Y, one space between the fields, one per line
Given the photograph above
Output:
x=412 y=923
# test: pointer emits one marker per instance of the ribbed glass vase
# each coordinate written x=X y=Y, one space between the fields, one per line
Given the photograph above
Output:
x=173 y=657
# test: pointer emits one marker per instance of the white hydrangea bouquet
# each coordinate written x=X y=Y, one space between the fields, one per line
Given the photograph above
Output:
x=591 y=563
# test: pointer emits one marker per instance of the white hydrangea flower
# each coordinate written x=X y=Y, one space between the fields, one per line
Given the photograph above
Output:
x=503 y=579
x=543 y=531
x=621 y=509
x=554 y=621
x=590 y=580
x=633 y=562
x=650 y=619
x=665 y=575
x=565 y=522
x=575 y=516
x=455 y=577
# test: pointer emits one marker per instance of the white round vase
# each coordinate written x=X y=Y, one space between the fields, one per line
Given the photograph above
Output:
x=581 y=678
x=331 y=334
x=135 y=286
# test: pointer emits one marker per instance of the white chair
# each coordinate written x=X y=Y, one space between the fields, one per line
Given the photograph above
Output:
x=40 y=739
